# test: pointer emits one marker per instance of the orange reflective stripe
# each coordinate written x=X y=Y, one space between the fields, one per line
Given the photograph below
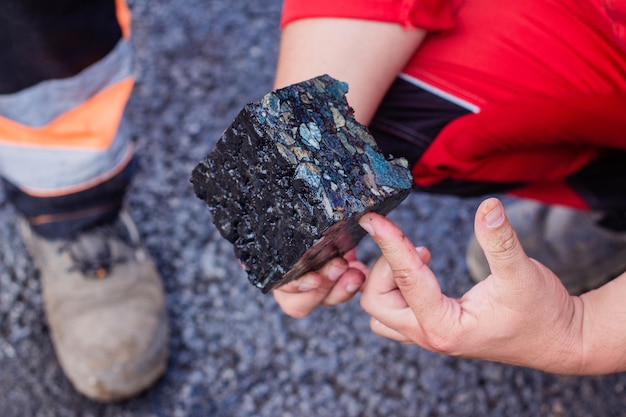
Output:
x=123 y=17
x=92 y=125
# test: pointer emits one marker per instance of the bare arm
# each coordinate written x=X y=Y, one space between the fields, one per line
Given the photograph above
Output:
x=368 y=56
x=604 y=328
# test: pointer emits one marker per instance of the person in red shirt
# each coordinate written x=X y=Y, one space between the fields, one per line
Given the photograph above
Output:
x=526 y=98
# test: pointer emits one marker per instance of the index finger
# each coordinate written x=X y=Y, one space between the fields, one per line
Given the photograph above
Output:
x=414 y=279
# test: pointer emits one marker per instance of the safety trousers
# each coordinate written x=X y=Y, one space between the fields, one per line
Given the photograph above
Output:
x=66 y=74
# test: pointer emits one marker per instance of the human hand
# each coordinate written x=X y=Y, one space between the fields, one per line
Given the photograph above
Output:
x=521 y=314
x=335 y=283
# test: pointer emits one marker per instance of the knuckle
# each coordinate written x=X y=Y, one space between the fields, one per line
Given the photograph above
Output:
x=506 y=247
x=443 y=344
x=448 y=342
x=403 y=276
x=390 y=249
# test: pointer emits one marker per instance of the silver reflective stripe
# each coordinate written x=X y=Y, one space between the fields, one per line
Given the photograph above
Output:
x=440 y=93
x=38 y=105
x=54 y=171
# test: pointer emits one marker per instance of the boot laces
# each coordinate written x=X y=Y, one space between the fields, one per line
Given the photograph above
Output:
x=96 y=251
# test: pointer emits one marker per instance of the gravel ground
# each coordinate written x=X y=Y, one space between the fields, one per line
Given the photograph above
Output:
x=233 y=352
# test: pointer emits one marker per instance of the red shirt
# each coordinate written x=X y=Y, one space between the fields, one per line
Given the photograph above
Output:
x=546 y=80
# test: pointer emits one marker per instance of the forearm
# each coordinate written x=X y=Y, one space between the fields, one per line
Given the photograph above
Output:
x=604 y=328
x=368 y=55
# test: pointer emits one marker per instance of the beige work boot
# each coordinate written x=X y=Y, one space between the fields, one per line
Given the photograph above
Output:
x=569 y=242
x=104 y=304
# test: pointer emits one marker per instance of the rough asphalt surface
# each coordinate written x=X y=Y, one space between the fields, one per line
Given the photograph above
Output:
x=233 y=353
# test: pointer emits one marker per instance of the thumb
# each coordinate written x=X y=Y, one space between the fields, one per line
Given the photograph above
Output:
x=503 y=250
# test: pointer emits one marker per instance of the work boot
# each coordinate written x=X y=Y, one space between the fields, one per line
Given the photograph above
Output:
x=570 y=242
x=104 y=304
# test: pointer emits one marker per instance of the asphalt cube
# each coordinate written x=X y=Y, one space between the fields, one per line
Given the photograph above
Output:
x=288 y=180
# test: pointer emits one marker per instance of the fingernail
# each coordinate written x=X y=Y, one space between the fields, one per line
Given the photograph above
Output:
x=335 y=272
x=352 y=287
x=420 y=249
x=308 y=285
x=364 y=222
x=495 y=217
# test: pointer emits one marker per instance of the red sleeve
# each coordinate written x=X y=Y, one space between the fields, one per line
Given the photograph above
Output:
x=536 y=141
x=529 y=140
x=425 y=14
